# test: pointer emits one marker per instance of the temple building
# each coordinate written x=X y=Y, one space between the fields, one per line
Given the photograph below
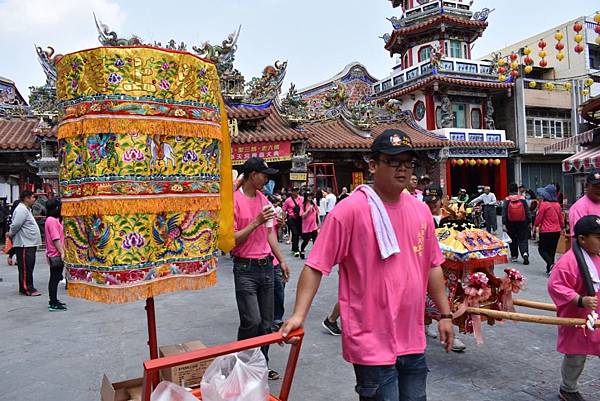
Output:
x=28 y=146
x=450 y=94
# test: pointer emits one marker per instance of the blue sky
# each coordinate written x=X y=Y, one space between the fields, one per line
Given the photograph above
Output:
x=317 y=37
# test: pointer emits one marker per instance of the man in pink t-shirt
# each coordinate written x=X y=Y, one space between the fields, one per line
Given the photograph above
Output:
x=382 y=301
x=589 y=203
x=255 y=241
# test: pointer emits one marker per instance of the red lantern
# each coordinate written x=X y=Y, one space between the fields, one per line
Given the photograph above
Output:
x=453 y=162
x=515 y=74
x=597 y=29
x=579 y=49
x=543 y=63
x=491 y=161
x=577 y=27
x=559 y=46
x=528 y=60
x=501 y=70
x=542 y=44
x=513 y=56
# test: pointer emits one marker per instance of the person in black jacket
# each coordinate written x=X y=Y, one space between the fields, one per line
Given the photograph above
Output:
x=516 y=221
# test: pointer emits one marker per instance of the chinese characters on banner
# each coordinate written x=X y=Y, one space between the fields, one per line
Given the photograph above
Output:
x=357 y=179
x=270 y=151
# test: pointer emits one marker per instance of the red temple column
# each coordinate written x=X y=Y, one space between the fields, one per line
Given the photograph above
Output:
x=448 y=178
x=430 y=111
x=503 y=184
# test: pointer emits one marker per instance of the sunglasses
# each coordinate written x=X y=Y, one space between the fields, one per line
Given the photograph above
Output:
x=395 y=163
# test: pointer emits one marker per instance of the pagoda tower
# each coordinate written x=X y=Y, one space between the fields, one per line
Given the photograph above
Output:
x=447 y=91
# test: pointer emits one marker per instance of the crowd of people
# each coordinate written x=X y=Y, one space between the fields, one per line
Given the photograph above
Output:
x=382 y=238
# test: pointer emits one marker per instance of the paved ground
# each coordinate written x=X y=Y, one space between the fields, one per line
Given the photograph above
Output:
x=62 y=356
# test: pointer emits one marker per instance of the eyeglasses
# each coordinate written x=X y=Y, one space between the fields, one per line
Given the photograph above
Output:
x=395 y=163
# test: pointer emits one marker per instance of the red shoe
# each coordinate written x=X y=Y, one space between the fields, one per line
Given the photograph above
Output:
x=35 y=294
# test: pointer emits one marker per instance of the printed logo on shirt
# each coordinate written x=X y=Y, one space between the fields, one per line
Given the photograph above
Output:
x=420 y=247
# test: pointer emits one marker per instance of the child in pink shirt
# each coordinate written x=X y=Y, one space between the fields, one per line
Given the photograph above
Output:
x=310 y=228
x=55 y=252
x=574 y=286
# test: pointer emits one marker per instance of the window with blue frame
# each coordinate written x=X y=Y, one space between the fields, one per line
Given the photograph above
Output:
x=456 y=49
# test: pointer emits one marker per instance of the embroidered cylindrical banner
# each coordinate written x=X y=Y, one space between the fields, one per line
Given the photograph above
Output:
x=145 y=172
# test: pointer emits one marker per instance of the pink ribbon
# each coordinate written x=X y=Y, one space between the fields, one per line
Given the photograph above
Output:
x=509 y=286
x=474 y=296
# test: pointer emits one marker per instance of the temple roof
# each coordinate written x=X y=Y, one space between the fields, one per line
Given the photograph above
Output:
x=470 y=29
x=339 y=134
x=431 y=79
x=354 y=70
x=262 y=125
x=22 y=134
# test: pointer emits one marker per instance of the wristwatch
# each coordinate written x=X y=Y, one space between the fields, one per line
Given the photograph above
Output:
x=446 y=316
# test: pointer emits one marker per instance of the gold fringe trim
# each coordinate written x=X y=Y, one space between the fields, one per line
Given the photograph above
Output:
x=226 y=237
x=121 y=295
x=87 y=207
x=91 y=126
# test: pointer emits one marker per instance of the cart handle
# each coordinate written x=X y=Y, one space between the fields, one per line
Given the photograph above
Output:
x=152 y=366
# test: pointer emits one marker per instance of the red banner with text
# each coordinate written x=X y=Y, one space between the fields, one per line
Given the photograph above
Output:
x=270 y=151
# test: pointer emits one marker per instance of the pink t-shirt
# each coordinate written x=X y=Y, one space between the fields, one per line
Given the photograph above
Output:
x=309 y=220
x=53 y=230
x=582 y=207
x=549 y=217
x=288 y=206
x=566 y=284
x=382 y=302
x=245 y=210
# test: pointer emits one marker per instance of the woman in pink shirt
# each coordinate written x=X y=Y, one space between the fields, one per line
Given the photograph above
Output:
x=310 y=228
x=549 y=219
x=573 y=286
x=55 y=252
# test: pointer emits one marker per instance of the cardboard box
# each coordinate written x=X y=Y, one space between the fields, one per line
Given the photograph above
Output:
x=189 y=375
x=128 y=390
x=564 y=243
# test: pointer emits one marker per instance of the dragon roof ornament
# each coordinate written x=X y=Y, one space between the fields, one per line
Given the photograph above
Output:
x=268 y=86
x=106 y=37
x=222 y=55
x=293 y=107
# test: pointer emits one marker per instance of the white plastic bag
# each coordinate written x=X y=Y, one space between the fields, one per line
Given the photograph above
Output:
x=506 y=238
x=167 y=391
x=237 y=377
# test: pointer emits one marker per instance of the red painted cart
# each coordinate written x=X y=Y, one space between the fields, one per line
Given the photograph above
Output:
x=153 y=366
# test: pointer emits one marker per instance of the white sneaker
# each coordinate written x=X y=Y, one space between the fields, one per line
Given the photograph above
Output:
x=458 y=346
x=430 y=332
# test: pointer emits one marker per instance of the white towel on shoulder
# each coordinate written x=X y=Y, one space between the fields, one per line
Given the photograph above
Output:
x=384 y=231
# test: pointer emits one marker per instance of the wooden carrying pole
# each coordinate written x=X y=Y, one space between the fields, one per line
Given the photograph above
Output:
x=524 y=317
x=534 y=305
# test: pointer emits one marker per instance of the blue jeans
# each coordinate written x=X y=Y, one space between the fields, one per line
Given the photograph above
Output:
x=279 y=295
x=404 y=381
x=254 y=295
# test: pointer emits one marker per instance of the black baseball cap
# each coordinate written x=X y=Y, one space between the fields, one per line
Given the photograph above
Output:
x=432 y=193
x=593 y=177
x=259 y=165
x=589 y=224
x=393 y=142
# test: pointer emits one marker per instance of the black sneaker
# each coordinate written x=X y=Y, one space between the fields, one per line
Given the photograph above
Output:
x=296 y=254
x=526 y=259
x=273 y=375
x=61 y=303
x=332 y=328
x=302 y=256
x=576 y=396
x=57 y=308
